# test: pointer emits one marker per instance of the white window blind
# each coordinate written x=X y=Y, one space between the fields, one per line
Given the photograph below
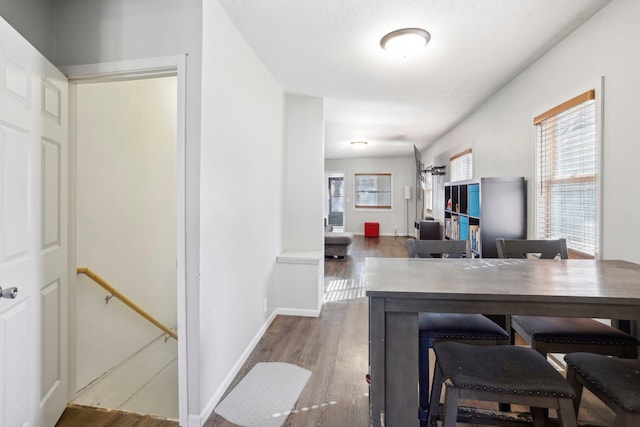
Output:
x=567 y=168
x=461 y=166
x=428 y=192
x=373 y=191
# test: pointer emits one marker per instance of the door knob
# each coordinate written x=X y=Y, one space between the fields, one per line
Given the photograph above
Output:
x=9 y=292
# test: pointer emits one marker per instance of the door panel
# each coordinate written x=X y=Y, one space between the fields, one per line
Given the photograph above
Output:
x=14 y=326
x=33 y=235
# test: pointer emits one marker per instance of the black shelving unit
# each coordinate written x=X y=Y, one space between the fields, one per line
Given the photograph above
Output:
x=485 y=209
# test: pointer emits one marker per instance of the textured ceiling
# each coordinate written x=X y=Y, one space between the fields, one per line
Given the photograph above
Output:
x=330 y=49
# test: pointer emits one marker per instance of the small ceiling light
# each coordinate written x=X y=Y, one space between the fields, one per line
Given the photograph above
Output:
x=359 y=144
x=406 y=41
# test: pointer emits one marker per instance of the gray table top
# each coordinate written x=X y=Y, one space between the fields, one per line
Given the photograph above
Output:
x=506 y=280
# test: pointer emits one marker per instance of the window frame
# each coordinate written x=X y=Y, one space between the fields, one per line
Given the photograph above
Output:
x=428 y=191
x=462 y=155
x=596 y=86
x=357 y=206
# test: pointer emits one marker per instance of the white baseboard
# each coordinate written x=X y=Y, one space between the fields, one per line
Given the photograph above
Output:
x=194 y=421
x=298 y=312
x=382 y=234
x=215 y=399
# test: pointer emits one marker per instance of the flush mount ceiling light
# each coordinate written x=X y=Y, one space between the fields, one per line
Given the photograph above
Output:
x=359 y=144
x=405 y=41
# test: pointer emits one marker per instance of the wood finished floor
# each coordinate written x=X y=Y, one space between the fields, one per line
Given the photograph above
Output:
x=83 y=416
x=333 y=347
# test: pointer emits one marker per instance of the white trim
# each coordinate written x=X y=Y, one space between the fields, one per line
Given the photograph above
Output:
x=125 y=70
x=147 y=68
x=309 y=258
x=299 y=311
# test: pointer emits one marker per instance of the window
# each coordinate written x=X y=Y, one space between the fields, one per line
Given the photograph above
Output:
x=567 y=169
x=336 y=201
x=428 y=191
x=373 y=190
x=461 y=166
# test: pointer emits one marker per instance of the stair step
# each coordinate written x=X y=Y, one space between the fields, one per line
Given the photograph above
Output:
x=146 y=382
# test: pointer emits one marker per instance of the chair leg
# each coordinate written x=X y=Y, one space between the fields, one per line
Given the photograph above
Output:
x=566 y=414
x=631 y=351
x=627 y=419
x=423 y=372
x=538 y=416
x=436 y=390
x=577 y=386
x=450 y=410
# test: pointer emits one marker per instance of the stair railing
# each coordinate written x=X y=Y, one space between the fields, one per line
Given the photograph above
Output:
x=116 y=293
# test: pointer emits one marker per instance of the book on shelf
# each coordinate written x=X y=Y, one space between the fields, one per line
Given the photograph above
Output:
x=474 y=236
x=455 y=227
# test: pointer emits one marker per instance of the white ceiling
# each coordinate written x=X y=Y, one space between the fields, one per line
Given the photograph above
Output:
x=330 y=49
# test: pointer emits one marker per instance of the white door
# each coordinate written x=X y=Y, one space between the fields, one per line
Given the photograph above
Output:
x=33 y=235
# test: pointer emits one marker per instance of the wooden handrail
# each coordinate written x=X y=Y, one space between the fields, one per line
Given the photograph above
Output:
x=100 y=281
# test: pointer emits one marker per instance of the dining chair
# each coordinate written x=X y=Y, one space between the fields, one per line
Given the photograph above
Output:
x=547 y=334
x=614 y=381
x=505 y=374
x=433 y=327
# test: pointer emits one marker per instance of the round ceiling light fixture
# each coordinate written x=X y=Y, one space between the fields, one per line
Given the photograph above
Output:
x=359 y=144
x=405 y=41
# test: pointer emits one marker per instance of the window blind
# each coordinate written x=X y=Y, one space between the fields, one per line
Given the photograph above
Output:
x=428 y=192
x=461 y=166
x=373 y=191
x=567 y=168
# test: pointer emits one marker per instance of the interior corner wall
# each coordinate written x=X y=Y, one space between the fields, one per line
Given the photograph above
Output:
x=502 y=131
x=397 y=221
x=241 y=202
x=97 y=31
x=34 y=20
x=303 y=182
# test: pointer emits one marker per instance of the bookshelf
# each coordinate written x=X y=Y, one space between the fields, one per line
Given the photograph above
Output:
x=485 y=209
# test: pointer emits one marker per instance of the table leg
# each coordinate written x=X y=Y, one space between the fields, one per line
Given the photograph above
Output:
x=376 y=360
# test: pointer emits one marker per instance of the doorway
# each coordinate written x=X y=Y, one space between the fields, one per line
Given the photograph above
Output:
x=128 y=198
x=335 y=201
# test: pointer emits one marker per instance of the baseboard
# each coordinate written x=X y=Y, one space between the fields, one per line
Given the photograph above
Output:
x=298 y=312
x=382 y=234
x=215 y=399
x=195 y=421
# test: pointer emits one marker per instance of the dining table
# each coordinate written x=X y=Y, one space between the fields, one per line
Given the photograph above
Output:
x=400 y=288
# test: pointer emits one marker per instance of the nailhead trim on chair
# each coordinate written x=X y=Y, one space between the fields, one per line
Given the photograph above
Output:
x=464 y=337
x=587 y=377
x=521 y=392
x=583 y=341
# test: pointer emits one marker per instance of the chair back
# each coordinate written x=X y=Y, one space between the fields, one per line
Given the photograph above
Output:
x=548 y=249
x=439 y=248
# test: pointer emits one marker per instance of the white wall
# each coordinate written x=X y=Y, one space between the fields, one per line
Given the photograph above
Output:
x=126 y=217
x=304 y=133
x=242 y=199
x=393 y=222
x=33 y=19
x=501 y=130
x=116 y=30
x=97 y=31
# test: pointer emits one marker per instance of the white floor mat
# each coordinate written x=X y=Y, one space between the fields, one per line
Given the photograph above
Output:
x=265 y=396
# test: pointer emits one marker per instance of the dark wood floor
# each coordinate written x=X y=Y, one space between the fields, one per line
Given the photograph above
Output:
x=83 y=416
x=334 y=348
